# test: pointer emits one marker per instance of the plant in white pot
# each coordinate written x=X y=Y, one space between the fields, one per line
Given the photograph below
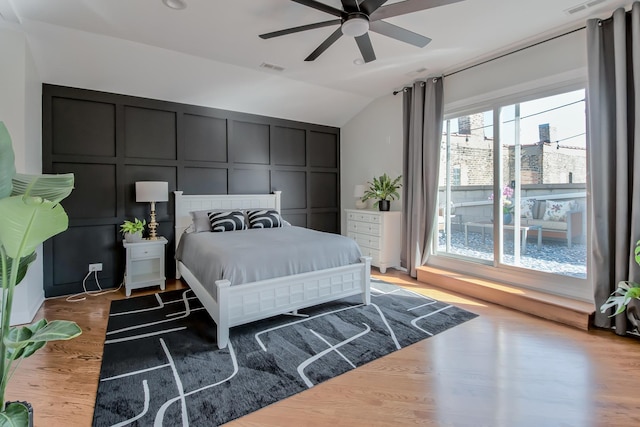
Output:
x=31 y=214
x=132 y=230
x=383 y=189
x=626 y=297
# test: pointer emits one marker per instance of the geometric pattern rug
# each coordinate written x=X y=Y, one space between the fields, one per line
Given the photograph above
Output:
x=161 y=365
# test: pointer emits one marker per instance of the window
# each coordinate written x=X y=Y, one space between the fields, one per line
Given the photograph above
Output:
x=512 y=192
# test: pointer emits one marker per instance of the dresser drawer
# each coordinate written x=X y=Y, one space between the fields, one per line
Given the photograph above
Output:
x=374 y=254
x=363 y=227
x=364 y=240
x=146 y=251
x=363 y=217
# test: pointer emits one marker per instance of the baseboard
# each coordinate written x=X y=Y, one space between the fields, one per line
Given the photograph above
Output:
x=559 y=309
x=22 y=316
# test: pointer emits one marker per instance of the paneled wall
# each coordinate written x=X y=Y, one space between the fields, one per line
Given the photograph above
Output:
x=110 y=141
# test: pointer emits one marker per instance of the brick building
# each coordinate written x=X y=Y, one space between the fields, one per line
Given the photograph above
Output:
x=544 y=161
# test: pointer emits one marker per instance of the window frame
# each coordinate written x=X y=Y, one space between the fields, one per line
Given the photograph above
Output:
x=572 y=287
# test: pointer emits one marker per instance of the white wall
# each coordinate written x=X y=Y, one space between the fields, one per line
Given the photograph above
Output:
x=548 y=64
x=21 y=111
x=371 y=142
x=91 y=61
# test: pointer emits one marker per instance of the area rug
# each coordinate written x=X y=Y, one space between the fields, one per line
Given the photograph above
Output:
x=161 y=365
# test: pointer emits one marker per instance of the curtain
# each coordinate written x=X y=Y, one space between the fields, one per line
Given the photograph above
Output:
x=613 y=52
x=422 y=124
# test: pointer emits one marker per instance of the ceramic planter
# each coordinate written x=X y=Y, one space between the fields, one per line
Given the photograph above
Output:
x=133 y=237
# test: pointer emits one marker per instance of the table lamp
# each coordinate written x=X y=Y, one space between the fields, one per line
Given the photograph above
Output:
x=358 y=192
x=152 y=191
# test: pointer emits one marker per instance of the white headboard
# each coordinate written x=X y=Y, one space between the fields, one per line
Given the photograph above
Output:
x=188 y=203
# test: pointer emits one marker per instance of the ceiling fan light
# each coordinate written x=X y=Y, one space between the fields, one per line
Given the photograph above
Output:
x=355 y=27
x=175 y=4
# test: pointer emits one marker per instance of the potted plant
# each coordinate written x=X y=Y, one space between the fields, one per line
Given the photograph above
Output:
x=507 y=204
x=383 y=189
x=132 y=230
x=627 y=293
x=31 y=213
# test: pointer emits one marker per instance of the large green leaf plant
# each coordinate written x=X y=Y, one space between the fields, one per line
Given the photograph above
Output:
x=626 y=291
x=30 y=213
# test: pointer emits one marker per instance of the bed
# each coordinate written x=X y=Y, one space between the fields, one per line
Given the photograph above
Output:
x=250 y=300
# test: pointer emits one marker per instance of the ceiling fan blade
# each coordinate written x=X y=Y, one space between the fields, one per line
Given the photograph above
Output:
x=300 y=28
x=366 y=49
x=398 y=33
x=321 y=6
x=350 y=5
x=407 y=6
x=325 y=45
x=370 y=6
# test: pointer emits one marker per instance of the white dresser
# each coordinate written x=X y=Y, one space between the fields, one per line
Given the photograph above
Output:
x=378 y=235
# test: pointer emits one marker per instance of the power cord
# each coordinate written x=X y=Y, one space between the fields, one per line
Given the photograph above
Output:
x=96 y=293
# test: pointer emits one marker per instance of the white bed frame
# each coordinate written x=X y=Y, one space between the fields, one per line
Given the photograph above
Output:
x=240 y=304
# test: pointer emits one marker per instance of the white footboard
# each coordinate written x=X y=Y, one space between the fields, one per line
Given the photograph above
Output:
x=240 y=304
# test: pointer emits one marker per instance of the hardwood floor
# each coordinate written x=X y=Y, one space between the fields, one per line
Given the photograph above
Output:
x=504 y=368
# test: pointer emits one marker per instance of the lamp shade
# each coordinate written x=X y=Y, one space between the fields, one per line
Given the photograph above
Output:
x=152 y=191
x=358 y=191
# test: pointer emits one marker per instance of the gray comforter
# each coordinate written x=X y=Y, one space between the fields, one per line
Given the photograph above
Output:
x=259 y=254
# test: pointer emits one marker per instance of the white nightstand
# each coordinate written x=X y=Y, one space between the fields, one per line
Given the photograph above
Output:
x=145 y=264
x=378 y=235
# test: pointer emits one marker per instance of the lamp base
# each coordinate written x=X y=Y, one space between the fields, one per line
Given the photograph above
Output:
x=153 y=224
x=360 y=204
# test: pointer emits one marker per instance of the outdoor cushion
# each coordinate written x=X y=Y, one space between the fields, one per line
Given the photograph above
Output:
x=526 y=208
x=557 y=211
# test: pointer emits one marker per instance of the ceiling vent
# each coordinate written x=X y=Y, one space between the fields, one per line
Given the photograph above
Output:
x=583 y=6
x=271 y=67
x=420 y=70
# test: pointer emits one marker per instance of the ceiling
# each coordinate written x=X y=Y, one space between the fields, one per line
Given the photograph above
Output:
x=227 y=32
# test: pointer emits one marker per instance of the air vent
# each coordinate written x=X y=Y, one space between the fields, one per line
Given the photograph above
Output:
x=420 y=70
x=595 y=3
x=583 y=6
x=271 y=67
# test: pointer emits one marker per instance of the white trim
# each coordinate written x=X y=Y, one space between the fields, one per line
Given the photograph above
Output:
x=571 y=287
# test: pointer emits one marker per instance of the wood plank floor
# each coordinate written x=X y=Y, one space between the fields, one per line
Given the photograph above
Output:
x=504 y=368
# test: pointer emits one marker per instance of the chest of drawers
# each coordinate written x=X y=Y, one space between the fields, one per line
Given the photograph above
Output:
x=378 y=235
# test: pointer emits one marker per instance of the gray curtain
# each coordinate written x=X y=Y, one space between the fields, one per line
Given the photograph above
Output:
x=614 y=154
x=422 y=124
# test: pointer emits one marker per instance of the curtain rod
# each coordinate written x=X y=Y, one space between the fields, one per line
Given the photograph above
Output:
x=395 y=92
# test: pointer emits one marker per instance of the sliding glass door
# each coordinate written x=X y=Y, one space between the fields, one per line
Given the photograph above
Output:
x=513 y=187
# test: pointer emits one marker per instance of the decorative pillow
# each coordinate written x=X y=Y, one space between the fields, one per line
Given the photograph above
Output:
x=227 y=221
x=264 y=219
x=200 y=220
x=557 y=211
x=526 y=208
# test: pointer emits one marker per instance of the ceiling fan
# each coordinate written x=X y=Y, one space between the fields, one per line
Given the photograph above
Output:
x=358 y=17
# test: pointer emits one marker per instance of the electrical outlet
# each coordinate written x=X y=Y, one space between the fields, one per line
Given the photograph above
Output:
x=95 y=267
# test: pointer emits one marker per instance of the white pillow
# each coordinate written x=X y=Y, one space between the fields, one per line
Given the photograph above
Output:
x=200 y=220
x=557 y=211
x=526 y=208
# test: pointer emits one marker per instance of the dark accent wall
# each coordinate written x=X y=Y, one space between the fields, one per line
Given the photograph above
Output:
x=110 y=141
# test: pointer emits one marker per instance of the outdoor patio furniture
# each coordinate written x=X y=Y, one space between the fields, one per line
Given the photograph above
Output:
x=560 y=219
x=524 y=229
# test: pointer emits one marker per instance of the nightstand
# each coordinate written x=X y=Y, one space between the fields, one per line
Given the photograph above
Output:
x=145 y=264
x=378 y=235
